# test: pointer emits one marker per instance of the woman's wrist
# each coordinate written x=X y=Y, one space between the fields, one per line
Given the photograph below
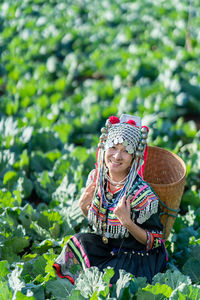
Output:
x=127 y=223
x=84 y=212
x=83 y=208
x=137 y=232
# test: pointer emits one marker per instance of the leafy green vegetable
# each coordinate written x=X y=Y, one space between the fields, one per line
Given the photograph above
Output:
x=59 y=288
x=4 y=268
x=90 y=282
x=65 y=67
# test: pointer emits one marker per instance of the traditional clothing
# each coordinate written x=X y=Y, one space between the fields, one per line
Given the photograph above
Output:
x=122 y=251
x=110 y=243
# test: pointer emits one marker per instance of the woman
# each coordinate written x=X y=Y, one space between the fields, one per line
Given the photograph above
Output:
x=122 y=209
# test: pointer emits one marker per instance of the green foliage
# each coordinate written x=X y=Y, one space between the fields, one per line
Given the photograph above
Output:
x=65 y=67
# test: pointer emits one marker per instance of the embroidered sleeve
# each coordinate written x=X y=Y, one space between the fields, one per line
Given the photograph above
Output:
x=145 y=213
x=153 y=240
x=154 y=231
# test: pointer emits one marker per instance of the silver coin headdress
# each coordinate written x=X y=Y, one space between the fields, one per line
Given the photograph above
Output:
x=129 y=132
x=126 y=131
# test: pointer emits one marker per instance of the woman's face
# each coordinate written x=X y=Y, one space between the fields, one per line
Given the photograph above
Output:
x=118 y=160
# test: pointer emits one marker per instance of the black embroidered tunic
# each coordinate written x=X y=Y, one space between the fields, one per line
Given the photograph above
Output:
x=122 y=251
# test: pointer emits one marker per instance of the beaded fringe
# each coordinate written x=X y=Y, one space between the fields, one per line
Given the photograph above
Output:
x=117 y=231
x=149 y=210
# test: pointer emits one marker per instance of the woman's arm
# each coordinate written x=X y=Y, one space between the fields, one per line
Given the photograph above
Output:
x=142 y=235
x=86 y=198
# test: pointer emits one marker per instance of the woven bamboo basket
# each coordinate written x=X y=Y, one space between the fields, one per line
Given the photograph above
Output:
x=166 y=172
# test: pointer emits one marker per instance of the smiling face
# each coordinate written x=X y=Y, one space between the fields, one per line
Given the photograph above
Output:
x=118 y=161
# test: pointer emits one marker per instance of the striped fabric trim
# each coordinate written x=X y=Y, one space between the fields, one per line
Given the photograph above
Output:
x=75 y=245
x=150 y=240
x=146 y=202
x=139 y=191
x=153 y=240
x=58 y=271
x=114 y=222
x=139 y=198
x=84 y=255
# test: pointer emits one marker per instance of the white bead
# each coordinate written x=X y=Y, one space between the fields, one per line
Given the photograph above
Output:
x=103 y=129
x=143 y=142
x=144 y=135
x=140 y=148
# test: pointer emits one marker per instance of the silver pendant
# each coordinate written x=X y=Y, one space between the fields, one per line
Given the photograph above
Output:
x=109 y=196
x=104 y=225
x=127 y=234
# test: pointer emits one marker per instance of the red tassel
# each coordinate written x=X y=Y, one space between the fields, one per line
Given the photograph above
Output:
x=141 y=170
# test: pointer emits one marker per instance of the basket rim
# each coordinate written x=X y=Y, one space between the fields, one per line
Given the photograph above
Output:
x=176 y=157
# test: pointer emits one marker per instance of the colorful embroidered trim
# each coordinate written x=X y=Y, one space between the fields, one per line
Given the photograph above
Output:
x=153 y=240
x=57 y=268
x=79 y=252
x=144 y=201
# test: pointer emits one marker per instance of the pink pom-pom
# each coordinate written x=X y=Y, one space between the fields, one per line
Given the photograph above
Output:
x=131 y=122
x=114 y=120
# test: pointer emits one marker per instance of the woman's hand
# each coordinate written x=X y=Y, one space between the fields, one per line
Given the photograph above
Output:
x=86 y=198
x=123 y=211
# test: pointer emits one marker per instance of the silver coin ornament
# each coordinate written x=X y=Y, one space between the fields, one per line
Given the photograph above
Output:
x=127 y=234
x=120 y=140
x=116 y=141
x=144 y=136
x=103 y=136
x=143 y=141
x=107 y=235
x=140 y=148
x=108 y=124
x=103 y=130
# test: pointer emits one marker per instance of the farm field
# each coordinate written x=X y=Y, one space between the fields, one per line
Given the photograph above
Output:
x=65 y=67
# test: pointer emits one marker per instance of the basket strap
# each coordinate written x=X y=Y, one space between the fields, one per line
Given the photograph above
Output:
x=171 y=215
x=168 y=215
x=163 y=204
x=169 y=208
x=162 y=213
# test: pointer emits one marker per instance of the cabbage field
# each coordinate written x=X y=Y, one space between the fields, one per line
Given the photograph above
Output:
x=65 y=66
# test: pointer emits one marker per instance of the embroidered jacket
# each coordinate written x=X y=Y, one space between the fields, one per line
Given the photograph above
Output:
x=144 y=212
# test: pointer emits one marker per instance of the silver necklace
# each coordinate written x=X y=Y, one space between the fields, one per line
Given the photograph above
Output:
x=116 y=183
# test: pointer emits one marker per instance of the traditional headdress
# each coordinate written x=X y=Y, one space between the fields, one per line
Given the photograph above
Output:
x=126 y=131
x=129 y=132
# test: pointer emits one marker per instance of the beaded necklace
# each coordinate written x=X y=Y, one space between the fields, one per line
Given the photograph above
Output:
x=111 y=204
x=116 y=183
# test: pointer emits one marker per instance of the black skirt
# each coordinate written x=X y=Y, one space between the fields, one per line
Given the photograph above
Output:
x=85 y=250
